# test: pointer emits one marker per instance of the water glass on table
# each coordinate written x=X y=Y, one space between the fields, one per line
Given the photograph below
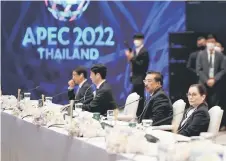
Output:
x=27 y=96
x=78 y=107
x=147 y=122
x=49 y=100
x=110 y=115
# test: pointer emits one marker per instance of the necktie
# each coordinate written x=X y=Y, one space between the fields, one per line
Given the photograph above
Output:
x=77 y=92
x=211 y=60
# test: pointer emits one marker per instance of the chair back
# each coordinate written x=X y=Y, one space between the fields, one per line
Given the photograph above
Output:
x=178 y=111
x=131 y=109
x=216 y=114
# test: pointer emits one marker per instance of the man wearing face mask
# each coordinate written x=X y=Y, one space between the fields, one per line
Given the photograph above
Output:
x=139 y=60
x=159 y=106
x=191 y=64
x=218 y=47
x=210 y=69
x=201 y=45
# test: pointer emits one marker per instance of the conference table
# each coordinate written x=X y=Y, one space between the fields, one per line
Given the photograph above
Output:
x=22 y=140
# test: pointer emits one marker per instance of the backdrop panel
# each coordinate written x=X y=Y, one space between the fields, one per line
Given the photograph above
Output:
x=42 y=42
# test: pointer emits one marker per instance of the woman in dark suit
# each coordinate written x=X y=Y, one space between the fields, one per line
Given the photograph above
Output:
x=196 y=119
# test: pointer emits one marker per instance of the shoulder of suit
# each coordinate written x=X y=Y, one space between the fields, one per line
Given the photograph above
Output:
x=86 y=85
x=160 y=93
x=220 y=54
x=203 y=52
x=144 y=50
x=195 y=53
x=104 y=85
x=107 y=85
x=203 y=107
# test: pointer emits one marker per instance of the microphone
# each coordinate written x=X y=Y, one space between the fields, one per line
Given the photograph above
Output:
x=131 y=102
x=87 y=91
x=68 y=105
x=169 y=117
x=160 y=121
x=128 y=104
x=33 y=89
x=59 y=94
x=127 y=46
x=29 y=90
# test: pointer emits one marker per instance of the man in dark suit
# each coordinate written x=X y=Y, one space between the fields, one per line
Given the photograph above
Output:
x=139 y=60
x=84 y=93
x=191 y=64
x=103 y=99
x=159 y=107
x=210 y=69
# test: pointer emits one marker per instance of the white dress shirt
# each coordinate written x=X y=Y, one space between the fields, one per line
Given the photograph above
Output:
x=98 y=86
x=138 y=49
x=189 y=113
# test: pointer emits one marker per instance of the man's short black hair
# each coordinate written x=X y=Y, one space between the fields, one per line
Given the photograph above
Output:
x=210 y=36
x=101 y=69
x=81 y=70
x=158 y=76
x=200 y=38
x=138 y=36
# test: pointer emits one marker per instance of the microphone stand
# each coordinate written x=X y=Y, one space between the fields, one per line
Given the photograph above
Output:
x=26 y=116
x=169 y=117
x=70 y=113
x=68 y=105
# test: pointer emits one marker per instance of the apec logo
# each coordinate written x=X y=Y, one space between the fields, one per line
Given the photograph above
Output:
x=67 y=10
x=64 y=43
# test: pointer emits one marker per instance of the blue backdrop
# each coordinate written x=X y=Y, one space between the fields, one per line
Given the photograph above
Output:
x=38 y=49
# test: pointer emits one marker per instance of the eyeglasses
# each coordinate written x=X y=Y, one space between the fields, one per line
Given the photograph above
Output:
x=191 y=94
x=148 y=80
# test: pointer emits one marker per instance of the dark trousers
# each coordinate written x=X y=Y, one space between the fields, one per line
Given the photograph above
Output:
x=213 y=96
x=139 y=89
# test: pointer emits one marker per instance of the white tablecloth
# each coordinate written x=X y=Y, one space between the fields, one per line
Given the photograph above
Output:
x=24 y=141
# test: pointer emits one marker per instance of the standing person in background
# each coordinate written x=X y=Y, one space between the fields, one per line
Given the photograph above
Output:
x=218 y=47
x=191 y=64
x=210 y=69
x=201 y=45
x=139 y=60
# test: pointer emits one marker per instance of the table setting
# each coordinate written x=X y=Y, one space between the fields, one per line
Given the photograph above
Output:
x=90 y=132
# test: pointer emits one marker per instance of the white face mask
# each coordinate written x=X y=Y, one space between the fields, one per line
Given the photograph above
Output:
x=137 y=43
x=217 y=48
x=210 y=46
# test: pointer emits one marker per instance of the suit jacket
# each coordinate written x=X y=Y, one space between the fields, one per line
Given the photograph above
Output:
x=139 y=65
x=102 y=101
x=202 y=66
x=191 y=64
x=84 y=95
x=158 y=108
x=197 y=122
